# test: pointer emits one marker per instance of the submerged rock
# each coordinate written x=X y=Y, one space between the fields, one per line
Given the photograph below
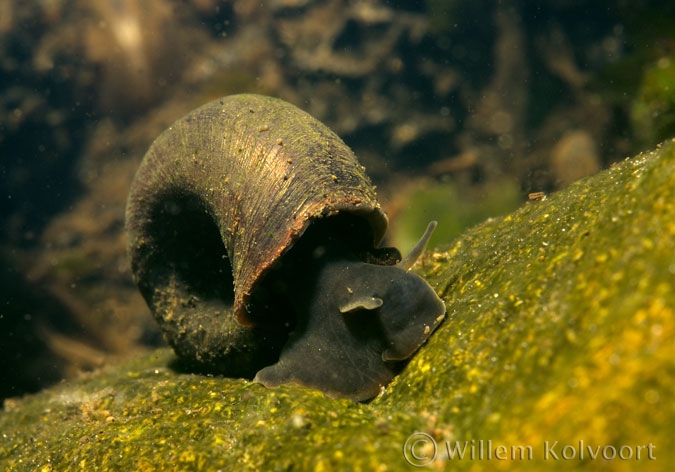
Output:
x=557 y=350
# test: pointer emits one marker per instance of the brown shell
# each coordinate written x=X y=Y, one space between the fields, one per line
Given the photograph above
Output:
x=261 y=170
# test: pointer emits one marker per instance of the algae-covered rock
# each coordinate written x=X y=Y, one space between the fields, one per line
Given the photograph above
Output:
x=557 y=351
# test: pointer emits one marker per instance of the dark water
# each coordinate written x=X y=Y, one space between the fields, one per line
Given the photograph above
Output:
x=462 y=107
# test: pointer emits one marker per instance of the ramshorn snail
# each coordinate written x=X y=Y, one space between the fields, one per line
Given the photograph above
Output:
x=252 y=231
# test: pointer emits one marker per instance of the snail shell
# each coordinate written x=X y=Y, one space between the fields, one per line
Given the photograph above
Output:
x=252 y=232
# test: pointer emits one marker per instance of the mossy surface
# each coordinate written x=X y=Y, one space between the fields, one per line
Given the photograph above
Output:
x=559 y=328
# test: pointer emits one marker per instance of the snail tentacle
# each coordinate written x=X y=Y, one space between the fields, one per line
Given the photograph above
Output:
x=361 y=303
x=419 y=248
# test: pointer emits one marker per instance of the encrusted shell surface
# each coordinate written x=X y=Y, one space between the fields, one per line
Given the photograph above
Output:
x=260 y=170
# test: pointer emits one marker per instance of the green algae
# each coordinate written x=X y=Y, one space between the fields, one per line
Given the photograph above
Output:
x=454 y=210
x=559 y=328
x=653 y=109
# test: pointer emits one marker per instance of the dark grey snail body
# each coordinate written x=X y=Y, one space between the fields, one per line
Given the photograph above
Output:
x=252 y=193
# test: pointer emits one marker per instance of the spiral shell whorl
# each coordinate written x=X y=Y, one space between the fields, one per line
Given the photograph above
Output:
x=270 y=170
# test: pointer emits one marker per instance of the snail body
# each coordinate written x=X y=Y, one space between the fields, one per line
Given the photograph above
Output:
x=252 y=232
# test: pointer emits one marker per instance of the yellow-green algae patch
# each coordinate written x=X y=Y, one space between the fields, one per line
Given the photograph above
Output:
x=558 y=343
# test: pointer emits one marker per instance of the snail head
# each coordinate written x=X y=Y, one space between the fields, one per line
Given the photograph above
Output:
x=360 y=322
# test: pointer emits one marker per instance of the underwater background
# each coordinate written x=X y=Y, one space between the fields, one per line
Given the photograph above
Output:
x=473 y=106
